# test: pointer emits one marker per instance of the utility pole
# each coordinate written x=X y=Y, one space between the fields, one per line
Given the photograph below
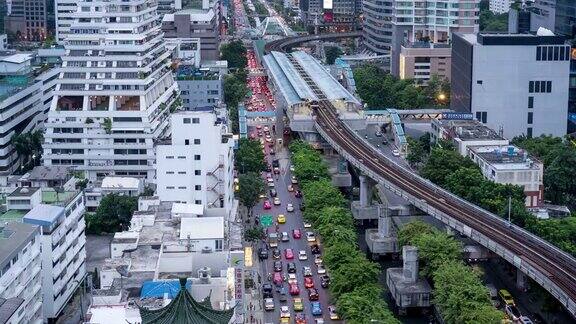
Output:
x=509 y=210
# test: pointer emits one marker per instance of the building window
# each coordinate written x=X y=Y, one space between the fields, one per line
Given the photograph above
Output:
x=549 y=86
x=197 y=157
x=181 y=158
x=196 y=141
x=479 y=82
x=170 y=157
x=186 y=120
x=197 y=172
x=170 y=187
x=198 y=202
x=530 y=102
x=529 y=132
x=186 y=142
x=181 y=187
x=530 y=117
x=540 y=86
x=482 y=116
x=169 y=172
x=538 y=53
x=197 y=187
x=195 y=120
x=218 y=245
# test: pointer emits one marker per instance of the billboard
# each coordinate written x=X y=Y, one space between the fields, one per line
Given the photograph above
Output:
x=457 y=116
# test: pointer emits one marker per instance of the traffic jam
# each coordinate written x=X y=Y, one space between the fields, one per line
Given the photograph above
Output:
x=261 y=98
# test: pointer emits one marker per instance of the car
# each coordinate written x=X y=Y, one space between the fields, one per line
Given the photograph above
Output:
x=289 y=254
x=294 y=290
x=290 y=188
x=275 y=254
x=378 y=134
x=284 y=320
x=319 y=321
x=321 y=269
x=513 y=312
x=291 y=267
x=298 y=194
x=285 y=237
x=263 y=253
x=317 y=259
x=289 y=208
x=298 y=305
x=266 y=129
x=278 y=278
x=277 y=201
x=267 y=290
x=313 y=293
x=307 y=271
x=324 y=281
x=276 y=170
x=310 y=237
x=269 y=304
x=292 y=279
x=315 y=248
x=385 y=141
x=525 y=320
x=277 y=266
x=267 y=204
x=307 y=225
x=506 y=297
x=271 y=184
x=300 y=319
x=395 y=152
x=258 y=126
x=333 y=315
x=308 y=282
x=302 y=206
x=281 y=219
x=293 y=180
x=284 y=312
x=296 y=233
x=316 y=308
x=273 y=193
x=302 y=256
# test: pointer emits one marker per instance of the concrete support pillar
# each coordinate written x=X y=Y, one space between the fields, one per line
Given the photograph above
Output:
x=521 y=282
x=364 y=191
x=410 y=267
x=384 y=222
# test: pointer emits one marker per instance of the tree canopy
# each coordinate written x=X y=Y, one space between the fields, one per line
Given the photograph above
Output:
x=332 y=53
x=235 y=53
x=28 y=146
x=113 y=214
x=251 y=187
x=380 y=90
x=249 y=157
x=308 y=163
x=490 y=21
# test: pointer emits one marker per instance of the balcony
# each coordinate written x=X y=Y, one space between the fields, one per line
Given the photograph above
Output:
x=70 y=103
x=127 y=103
x=99 y=103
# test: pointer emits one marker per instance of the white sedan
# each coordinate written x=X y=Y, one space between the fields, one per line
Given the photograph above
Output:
x=310 y=237
x=321 y=269
x=290 y=208
x=284 y=312
x=302 y=256
x=395 y=152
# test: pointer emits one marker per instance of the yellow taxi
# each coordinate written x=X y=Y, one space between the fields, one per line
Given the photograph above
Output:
x=281 y=219
x=298 y=305
x=284 y=320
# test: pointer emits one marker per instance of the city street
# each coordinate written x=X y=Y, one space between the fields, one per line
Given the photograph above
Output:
x=294 y=220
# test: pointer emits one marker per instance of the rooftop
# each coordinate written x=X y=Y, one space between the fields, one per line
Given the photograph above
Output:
x=47 y=173
x=469 y=130
x=121 y=183
x=23 y=192
x=180 y=208
x=190 y=72
x=507 y=39
x=505 y=157
x=195 y=15
x=13 y=237
x=12 y=215
x=58 y=198
x=44 y=215
x=202 y=228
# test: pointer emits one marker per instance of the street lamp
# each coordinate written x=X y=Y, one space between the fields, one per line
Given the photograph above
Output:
x=441 y=97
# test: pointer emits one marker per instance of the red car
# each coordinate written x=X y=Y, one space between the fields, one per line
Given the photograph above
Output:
x=296 y=234
x=278 y=279
x=308 y=282
x=294 y=290
x=267 y=204
x=289 y=254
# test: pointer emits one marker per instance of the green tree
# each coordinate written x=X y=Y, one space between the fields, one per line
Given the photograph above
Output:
x=437 y=90
x=28 y=146
x=354 y=274
x=112 y=215
x=255 y=233
x=320 y=194
x=334 y=233
x=332 y=53
x=334 y=215
x=416 y=152
x=341 y=254
x=442 y=163
x=410 y=231
x=435 y=249
x=364 y=305
x=491 y=22
x=235 y=53
x=251 y=187
x=308 y=163
x=249 y=157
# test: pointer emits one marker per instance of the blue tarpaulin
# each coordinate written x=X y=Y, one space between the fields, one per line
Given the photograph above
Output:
x=157 y=289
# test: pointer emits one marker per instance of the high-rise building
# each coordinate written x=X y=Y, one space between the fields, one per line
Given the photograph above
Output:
x=115 y=91
x=388 y=25
x=558 y=16
x=27 y=20
x=502 y=6
x=197 y=166
x=64 y=13
x=63 y=244
x=513 y=83
x=20 y=274
x=330 y=15
x=25 y=94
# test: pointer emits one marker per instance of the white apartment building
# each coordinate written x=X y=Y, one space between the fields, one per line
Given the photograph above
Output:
x=63 y=240
x=64 y=13
x=25 y=94
x=500 y=6
x=516 y=84
x=115 y=91
x=20 y=277
x=511 y=165
x=123 y=186
x=197 y=166
x=464 y=133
